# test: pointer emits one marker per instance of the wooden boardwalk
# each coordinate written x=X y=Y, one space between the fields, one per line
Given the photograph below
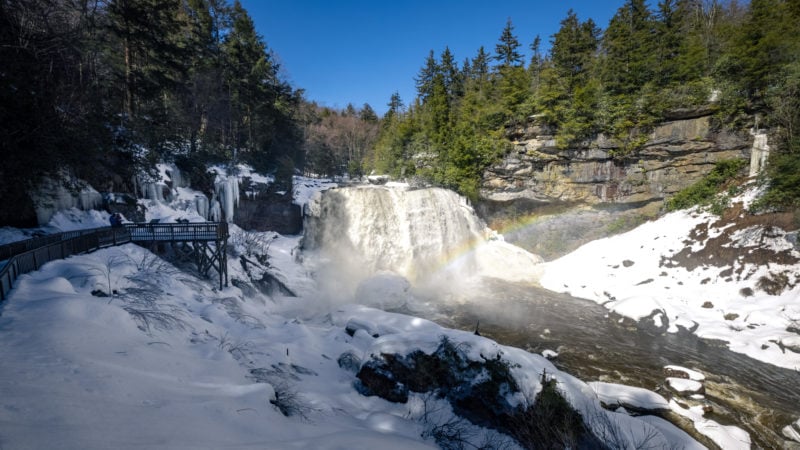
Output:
x=206 y=242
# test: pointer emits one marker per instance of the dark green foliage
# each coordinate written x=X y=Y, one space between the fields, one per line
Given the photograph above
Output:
x=568 y=96
x=507 y=50
x=629 y=44
x=783 y=185
x=655 y=61
x=104 y=89
x=704 y=191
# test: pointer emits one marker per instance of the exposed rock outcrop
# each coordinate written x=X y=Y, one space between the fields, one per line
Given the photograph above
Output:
x=676 y=154
x=550 y=200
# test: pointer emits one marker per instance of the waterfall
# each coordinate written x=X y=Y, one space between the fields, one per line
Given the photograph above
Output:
x=413 y=232
x=759 y=153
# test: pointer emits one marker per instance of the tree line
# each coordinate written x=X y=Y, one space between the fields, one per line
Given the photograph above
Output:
x=107 y=88
x=103 y=89
x=740 y=60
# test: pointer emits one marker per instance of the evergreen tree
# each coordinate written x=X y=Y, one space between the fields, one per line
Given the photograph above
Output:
x=259 y=101
x=507 y=50
x=766 y=42
x=453 y=81
x=568 y=92
x=367 y=114
x=466 y=70
x=629 y=47
x=671 y=31
x=203 y=95
x=480 y=66
x=424 y=79
x=395 y=107
x=573 y=50
x=153 y=57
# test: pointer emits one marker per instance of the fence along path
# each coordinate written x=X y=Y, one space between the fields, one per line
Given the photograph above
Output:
x=21 y=257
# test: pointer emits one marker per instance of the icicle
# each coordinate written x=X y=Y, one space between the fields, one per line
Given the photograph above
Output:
x=176 y=177
x=89 y=199
x=201 y=204
x=227 y=191
x=215 y=212
x=154 y=192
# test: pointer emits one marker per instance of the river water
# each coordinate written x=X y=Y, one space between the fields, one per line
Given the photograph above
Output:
x=595 y=345
x=413 y=233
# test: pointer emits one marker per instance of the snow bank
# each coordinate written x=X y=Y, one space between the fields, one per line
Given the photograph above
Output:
x=643 y=273
x=169 y=361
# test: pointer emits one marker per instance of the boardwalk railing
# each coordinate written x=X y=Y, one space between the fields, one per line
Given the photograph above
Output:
x=29 y=255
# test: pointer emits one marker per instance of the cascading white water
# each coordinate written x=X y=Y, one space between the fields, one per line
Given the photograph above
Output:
x=416 y=233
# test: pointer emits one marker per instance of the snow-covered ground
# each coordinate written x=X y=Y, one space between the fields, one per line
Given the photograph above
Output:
x=692 y=270
x=168 y=361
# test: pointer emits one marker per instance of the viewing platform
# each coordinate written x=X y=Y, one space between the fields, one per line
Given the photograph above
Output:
x=205 y=242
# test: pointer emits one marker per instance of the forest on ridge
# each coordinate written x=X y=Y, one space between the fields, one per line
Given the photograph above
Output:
x=102 y=90
x=740 y=60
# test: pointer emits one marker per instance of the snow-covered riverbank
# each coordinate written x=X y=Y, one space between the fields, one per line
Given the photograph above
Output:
x=720 y=278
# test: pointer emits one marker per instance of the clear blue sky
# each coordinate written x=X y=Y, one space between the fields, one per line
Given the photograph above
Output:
x=360 y=52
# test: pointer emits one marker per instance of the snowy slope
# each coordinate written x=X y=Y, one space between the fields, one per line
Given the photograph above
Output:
x=689 y=269
x=169 y=362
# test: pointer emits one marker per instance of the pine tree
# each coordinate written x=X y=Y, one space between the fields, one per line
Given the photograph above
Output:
x=568 y=93
x=204 y=95
x=424 y=79
x=507 y=50
x=536 y=64
x=766 y=42
x=260 y=102
x=452 y=76
x=480 y=66
x=153 y=57
x=367 y=114
x=630 y=48
x=573 y=50
x=395 y=107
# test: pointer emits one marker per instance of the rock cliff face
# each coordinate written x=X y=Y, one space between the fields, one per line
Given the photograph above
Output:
x=676 y=155
x=550 y=201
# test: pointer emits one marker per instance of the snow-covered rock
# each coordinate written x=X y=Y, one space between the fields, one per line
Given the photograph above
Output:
x=685 y=387
x=629 y=397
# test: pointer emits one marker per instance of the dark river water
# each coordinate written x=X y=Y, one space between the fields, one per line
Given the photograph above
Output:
x=594 y=345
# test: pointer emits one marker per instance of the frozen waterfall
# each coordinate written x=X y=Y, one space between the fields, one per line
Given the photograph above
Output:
x=759 y=152
x=226 y=196
x=417 y=233
x=58 y=194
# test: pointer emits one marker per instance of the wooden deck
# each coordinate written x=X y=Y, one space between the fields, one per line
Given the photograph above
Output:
x=206 y=242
